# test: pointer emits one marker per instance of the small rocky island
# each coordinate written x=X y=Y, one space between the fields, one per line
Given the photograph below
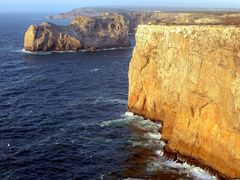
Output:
x=84 y=33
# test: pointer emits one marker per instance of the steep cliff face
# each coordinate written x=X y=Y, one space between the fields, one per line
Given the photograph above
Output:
x=83 y=33
x=189 y=78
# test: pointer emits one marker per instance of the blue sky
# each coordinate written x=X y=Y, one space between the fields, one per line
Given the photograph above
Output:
x=65 y=5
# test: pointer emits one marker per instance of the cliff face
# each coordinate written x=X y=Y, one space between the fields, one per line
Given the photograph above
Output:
x=189 y=78
x=50 y=37
x=83 y=33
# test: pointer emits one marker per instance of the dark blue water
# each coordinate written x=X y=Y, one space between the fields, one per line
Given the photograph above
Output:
x=62 y=114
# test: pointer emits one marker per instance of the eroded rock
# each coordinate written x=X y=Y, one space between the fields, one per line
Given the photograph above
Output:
x=83 y=33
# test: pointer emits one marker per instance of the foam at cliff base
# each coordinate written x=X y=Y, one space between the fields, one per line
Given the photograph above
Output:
x=171 y=166
x=125 y=119
x=135 y=120
x=40 y=53
x=151 y=139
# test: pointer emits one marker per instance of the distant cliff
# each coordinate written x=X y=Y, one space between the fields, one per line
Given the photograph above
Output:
x=189 y=78
x=89 y=33
x=137 y=17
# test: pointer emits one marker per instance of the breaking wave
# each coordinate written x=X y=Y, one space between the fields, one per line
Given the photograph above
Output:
x=40 y=53
x=192 y=171
x=147 y=136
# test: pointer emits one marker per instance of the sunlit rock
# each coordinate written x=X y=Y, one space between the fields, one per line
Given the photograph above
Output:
x=89 y=33
x=189 y=78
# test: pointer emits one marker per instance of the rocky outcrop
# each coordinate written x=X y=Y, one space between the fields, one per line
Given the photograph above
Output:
x=141 y=16
x=189 y=78
x=83 y=33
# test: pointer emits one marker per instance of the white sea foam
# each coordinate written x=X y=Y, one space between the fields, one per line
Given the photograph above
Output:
x=129 y=114
x=31 y=52
x=159 y=152
x=153 y=135
x=149 y=137
x=126 y=118
x=152 y=139
x=147 y=125
x=200 y=174
x=147 y=143
x=93 y=70
x=120 y=121
x=195 y=172
x=135 y=143
x=69 y=51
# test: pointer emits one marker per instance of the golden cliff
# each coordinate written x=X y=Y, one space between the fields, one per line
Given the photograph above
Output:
x=189 y=78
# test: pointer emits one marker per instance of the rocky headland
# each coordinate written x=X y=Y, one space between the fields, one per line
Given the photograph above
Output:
x=87 y=33
x=141 y=16
x=188 y=77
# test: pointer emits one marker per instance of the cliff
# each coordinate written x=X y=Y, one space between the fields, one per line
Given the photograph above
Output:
x=140 y=16
x=189 y=78
x=83 y=33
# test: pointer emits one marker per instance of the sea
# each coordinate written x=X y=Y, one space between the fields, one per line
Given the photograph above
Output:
x=63 y=115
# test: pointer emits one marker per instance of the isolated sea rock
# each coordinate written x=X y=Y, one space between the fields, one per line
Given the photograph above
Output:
x=50 y=37
x=89 y=33
x=189 y=78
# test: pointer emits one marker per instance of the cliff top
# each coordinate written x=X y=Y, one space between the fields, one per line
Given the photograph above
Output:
x=161 y=27
x=146 y=31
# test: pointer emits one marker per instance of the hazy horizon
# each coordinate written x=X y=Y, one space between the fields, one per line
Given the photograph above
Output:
x=62 y=6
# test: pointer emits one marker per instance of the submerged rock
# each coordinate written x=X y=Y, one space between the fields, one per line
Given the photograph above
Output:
x=89 y=33
x=189 y=78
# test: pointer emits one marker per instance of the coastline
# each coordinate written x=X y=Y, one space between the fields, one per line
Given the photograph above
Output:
x=61 y=52
x=175 y=157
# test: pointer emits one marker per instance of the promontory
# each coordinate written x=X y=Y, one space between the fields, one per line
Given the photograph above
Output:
x=188 y=77
x=143 y=16
x=84 y=33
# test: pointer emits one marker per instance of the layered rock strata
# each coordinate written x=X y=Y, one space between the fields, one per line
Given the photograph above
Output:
x=189 y=78
x=89 y=33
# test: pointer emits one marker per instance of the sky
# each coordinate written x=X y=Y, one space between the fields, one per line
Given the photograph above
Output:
x=66 y=5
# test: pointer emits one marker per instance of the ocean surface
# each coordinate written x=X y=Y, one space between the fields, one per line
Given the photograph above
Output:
x=64 y=115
